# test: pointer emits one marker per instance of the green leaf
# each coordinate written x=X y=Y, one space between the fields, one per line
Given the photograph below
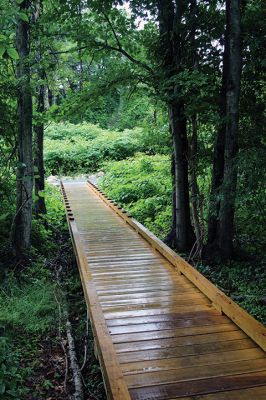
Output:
x=13 y=53
x=2 y=51
x=19 y=1
x=41 y=194
x=23 y=16
x=34 y=197
x=2 y=388
x=4 y=216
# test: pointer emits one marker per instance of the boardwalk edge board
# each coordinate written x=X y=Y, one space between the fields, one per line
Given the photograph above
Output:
x=254 y=329
x=116 y=387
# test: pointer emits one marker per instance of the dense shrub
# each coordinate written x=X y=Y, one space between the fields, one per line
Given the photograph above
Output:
x=10 y=375
x=143 y=186
x=244 y=282
x=72 y=149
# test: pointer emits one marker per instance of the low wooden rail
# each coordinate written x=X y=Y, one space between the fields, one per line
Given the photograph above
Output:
x=162 y=330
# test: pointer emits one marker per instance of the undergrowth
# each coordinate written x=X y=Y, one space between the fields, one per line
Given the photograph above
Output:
x=83 y=148
x=32 y=361
x=142 y=185
x=244 y=282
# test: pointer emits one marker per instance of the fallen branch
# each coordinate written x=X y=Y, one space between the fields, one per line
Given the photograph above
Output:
x=76 y=373
x=62 y=342
x=78 y=395
x=86 y=342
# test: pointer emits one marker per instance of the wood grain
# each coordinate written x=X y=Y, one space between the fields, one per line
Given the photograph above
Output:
x=162 y=331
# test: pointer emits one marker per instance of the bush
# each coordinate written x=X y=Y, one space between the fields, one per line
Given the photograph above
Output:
x=10 y=376
x=143 y=186
x=74 y=149
x=244 y=282
x=28 y=308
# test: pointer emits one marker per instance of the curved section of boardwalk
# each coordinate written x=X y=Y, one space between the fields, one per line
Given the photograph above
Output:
x=160 y=328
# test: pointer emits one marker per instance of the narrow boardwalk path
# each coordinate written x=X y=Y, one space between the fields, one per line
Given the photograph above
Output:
x=162 y=331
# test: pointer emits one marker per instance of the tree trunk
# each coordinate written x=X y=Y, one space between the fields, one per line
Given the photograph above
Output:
x=38 y=154
x=40 y=208
x=193 y=156
x=23 y=218
x=218 y=159
x=221 y=214
x=50 y=97
x=170 y=15
x=184 y=236
x=193 y=182
x=227 y=207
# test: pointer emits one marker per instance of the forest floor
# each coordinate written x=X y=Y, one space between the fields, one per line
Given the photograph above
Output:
x=34 y=350
x=52 y=376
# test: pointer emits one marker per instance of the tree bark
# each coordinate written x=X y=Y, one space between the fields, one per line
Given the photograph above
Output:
x=23 y=219
x=39 y=184
x=50 y=97
x=227 y=207
x=221 y=214
x=170 y=15
x=184 y=237
x=193 y=181
x=218 y=156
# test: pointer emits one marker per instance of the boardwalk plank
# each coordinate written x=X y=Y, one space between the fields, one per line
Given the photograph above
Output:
x=196 y=372
x=173 y=351
x=200 y=387
x=159 y=326
x=189 y=343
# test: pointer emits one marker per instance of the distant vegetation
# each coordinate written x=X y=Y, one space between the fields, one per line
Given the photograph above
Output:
x=72 y=149
x=143 y=186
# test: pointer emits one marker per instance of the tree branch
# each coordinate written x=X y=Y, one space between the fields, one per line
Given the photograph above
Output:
x=113 y=30
x=106 y=46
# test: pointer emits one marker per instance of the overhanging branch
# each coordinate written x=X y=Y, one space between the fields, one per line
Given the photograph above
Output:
x=105 y=46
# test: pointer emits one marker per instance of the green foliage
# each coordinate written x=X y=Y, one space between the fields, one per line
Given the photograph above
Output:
x=71 y=149
x=29 y=308
x=7 y=208
x=27 y=311
x=52 y=221
x=244 y=282
x=143 y=186
x=10 y=375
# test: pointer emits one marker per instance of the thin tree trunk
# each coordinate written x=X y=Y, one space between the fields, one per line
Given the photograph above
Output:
x=23 y=219
x=170 y=15
x=38 y=155
x=193 y=156
x=50 y=97
x=193 y=181
x=221 y=213
x=227 y=208
x=39 y=128
x=218 y=160
x=184 y=236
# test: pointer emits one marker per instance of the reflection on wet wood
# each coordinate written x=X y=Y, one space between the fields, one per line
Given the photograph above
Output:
x=158 y=326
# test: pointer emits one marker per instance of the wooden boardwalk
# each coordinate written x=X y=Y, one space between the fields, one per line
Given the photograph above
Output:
x=162 y=330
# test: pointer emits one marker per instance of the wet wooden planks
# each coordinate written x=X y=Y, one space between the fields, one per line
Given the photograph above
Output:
x=158 y=335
